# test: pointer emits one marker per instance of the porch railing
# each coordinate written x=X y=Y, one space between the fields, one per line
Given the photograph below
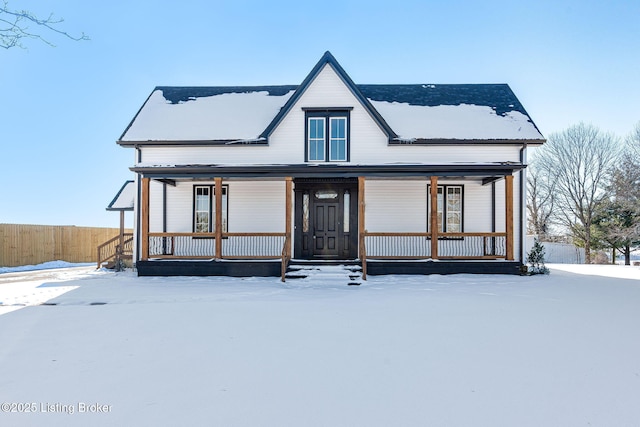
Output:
x=450 y=245
x=111 y=248
x=202 y=245
x=234 y=246
x=414 y=246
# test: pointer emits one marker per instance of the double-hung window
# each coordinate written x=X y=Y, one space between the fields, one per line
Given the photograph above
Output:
x=316 y=137
x=337 y=139
x=204 y=207
x=327 y=135
x=449 y=208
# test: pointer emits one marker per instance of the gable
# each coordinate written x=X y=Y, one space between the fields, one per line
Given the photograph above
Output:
x=327 y=63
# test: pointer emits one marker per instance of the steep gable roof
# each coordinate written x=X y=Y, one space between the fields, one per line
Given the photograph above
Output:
x=406 y=113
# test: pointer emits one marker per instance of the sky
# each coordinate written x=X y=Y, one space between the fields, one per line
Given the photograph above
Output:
x=62 y=108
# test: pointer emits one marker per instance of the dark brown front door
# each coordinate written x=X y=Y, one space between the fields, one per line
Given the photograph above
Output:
x=326 y=219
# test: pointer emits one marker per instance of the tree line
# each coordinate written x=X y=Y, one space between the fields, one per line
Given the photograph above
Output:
x=585 y=184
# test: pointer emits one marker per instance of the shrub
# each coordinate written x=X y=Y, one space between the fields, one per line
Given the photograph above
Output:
x=535 y=259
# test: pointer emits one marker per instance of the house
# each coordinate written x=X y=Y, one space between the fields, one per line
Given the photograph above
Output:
x=411 y=178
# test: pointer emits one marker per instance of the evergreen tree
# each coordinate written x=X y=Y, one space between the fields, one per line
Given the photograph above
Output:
x=535 y=259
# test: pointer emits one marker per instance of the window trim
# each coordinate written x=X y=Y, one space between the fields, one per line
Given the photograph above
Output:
x=445 y=187
x=212 y=202
x=327 y=114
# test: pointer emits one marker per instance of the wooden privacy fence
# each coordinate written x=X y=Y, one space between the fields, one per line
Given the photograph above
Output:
x=35 y=244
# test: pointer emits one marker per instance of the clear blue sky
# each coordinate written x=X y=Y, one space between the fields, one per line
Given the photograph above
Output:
x=63 y=108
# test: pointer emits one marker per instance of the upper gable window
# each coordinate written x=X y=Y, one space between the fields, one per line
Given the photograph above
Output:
x=327 y=136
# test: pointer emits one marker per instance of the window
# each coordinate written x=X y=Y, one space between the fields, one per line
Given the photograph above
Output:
x=338 y=139
x=327 y=136
x=204 y=207
x=202 y=218
x=316 y=139
x=449 y=208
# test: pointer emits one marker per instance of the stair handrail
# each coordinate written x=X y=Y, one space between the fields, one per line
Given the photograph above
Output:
x=117 y=250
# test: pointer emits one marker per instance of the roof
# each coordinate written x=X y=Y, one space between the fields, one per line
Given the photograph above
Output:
x=407 y=113
x=123 y=201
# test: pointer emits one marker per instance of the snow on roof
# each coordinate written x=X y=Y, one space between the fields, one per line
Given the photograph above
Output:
x=421 y=111
x=455 y=122
x=452 y=111
x=224 y=116
x=124 y=199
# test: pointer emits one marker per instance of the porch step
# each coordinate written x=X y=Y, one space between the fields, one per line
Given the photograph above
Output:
x=111 y=265
x=349 y=273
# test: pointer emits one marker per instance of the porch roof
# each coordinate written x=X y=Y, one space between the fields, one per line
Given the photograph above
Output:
x=314 y=170
x=123 y=201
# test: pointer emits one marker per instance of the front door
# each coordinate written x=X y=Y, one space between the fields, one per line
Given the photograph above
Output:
x=325 y=227
x=326 y=219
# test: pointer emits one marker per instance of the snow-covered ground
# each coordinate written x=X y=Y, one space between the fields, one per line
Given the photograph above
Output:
x=459 y=350
x=44 y=266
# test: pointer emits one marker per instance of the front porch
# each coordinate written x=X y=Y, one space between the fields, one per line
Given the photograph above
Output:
x=329 y=219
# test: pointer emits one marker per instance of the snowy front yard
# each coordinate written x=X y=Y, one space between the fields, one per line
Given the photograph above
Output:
x=461 y=350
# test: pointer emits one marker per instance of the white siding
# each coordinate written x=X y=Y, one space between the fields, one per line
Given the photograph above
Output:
x=257 y=206
x=254 y=206
x=477 y=206
x=401 y=206
x=155 y=206
x=396 y=206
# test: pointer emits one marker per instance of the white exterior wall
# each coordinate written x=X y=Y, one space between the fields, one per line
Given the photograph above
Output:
x=253 y=206
x=257 y=206
x=395 y=206
x=401 y=205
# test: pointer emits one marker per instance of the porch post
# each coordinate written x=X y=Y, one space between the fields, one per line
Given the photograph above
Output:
x=508 y=183
x=218 y=230
x=361 y=226
x=433 y=220
x=144 y=226
x=288 y=210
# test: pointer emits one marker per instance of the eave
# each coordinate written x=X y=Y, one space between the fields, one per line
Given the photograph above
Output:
x=193 y=143
x=314 y=170
x=454 y=141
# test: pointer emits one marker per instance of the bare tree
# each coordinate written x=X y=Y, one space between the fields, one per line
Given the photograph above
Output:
x=633 y=143
x=15 y=27
x=617 y=220
x=541 y=198
x=577 y=161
